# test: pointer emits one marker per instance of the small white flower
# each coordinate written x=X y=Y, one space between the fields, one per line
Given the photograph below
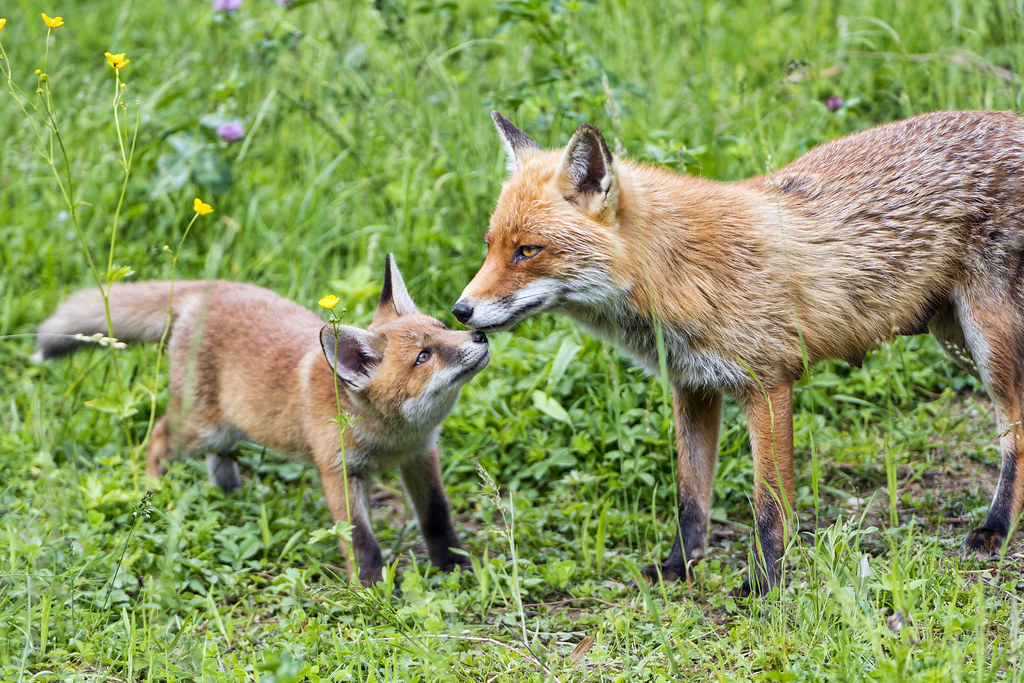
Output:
x=102 y=340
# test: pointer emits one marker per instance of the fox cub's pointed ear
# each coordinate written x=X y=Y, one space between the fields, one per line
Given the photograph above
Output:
x=394 y=297
x=351 y=354
x=518 y=145
x=587 y=166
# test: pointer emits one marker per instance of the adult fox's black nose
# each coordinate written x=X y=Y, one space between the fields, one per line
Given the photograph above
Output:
x=479 y=337
x=462 y=312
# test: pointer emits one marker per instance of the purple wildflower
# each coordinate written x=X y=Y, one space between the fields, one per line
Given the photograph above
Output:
x=231 y=131
x=833 y=103
x=226 y=5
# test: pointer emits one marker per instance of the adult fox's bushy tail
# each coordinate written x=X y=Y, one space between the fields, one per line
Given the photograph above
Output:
x=138 y=312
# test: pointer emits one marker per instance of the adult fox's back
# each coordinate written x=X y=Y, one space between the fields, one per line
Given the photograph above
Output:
x=909 y=227
x=876 y=229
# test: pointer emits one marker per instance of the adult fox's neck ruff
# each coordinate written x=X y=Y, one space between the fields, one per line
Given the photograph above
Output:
x=905 y=228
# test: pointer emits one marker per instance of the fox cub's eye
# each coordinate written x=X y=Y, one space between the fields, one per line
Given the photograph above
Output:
x=527 y=251
x=423 y=357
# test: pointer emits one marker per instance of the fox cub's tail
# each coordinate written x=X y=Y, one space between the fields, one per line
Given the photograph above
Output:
x=138 y=312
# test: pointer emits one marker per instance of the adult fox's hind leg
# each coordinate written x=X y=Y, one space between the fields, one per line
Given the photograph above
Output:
x=990 y=323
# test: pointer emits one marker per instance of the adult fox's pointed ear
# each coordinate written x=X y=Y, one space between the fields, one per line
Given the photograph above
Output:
x=351 y=354
x=518 y=145
x=587 y=170
x=394 y=297
x=586 y=163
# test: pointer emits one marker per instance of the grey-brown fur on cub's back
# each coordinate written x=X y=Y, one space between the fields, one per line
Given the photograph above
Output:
x=246 y=363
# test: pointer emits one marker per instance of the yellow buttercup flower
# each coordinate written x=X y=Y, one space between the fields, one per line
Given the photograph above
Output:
x=328 y=302
x=117 y=61
x=201 y=207
x=52 y=22
x=3 y=22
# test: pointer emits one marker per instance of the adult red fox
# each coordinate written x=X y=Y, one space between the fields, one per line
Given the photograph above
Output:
x=908 y=227
x=246 y=363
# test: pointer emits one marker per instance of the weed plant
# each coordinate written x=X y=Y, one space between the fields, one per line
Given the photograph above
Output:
x=326 y=133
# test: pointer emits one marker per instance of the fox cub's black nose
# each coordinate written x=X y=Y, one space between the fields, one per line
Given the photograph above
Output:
x=462 y=312
x=479 y=337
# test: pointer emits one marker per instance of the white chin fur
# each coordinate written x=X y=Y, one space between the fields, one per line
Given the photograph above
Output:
x=502 y=314
x=438 y=397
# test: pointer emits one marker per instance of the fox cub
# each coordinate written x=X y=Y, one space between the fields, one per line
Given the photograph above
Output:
x=246 y=363
x=906 y=228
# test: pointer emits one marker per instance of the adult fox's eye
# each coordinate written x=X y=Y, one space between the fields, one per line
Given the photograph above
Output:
x=527 y=251
x=423 y=357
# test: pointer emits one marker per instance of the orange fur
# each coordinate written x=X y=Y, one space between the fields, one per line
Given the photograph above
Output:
x=899 y=229
x=246 y=363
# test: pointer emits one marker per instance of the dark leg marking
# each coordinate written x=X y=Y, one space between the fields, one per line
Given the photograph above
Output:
x=687 y=548
x=439 y=533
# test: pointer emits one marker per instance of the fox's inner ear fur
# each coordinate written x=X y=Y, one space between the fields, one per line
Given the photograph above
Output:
x=586 y=166
x=518 y=145
x=394 y=297
x=350 y=354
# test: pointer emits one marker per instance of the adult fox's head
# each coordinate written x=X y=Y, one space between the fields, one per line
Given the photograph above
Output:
x=406 y=366
x=552 y=237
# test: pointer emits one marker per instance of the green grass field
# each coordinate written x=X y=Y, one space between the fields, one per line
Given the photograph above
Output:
x=367 y=131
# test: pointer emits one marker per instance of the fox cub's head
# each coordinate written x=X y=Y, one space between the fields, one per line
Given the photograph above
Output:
x=552 y=237
x=406 y=365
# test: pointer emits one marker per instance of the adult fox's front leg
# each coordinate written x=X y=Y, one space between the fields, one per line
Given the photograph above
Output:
x=698 y=415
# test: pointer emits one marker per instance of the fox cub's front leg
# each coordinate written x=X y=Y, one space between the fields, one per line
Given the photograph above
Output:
x=349 y=504
x=422 y=479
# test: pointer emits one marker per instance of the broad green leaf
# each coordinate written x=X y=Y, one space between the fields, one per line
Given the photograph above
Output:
x=550 y=407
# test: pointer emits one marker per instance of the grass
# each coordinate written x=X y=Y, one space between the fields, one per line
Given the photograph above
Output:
x=367 y=132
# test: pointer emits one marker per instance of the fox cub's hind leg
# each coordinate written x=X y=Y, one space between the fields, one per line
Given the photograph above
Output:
x=162 y=447
x=223 y=471
x=422 y=479
x=993 y=328
x=698 y=415
x=159 y=447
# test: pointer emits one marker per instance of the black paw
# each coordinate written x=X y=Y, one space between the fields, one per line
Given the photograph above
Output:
x=451 y=560
x=666 y=573
x=759 y=587
x=369 y=578
x=984 y=542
